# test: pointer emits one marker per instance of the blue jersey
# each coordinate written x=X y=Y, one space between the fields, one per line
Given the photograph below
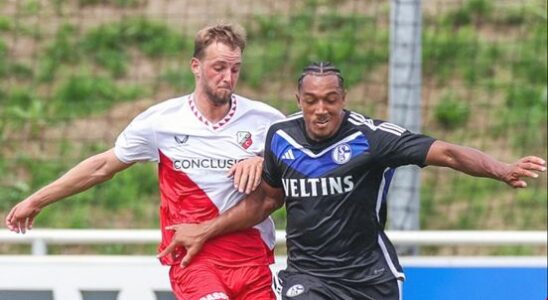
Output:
x=335 y=194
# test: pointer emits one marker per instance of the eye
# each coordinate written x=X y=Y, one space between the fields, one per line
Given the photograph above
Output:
x=309 y=100
x=332 y=99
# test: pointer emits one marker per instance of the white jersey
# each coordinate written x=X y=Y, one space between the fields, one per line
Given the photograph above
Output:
x=194 y=157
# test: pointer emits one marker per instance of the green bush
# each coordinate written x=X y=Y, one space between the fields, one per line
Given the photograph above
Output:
x=451 y=113
x=179 y=79
x=118 y=3
x=108 y=44
x=79 y=94
x=473 y=11
x=3 y=62
x=62 y=50
x=5 y=24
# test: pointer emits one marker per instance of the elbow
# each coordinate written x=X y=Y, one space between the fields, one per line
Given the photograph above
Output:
x=102 y=176
x=442 y=154
x=270 y=205
x=100 y=170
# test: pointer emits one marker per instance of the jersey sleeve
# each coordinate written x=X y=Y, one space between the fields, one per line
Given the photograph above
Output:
x=138 y=141
x=395 y=146
x=270 y=118
x=271 y=170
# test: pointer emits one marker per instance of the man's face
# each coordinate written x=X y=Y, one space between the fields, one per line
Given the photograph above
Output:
x=322 y=101
x=217 y=72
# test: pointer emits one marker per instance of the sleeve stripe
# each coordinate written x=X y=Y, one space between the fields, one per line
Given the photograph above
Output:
x=387 y=125
x=358 y=119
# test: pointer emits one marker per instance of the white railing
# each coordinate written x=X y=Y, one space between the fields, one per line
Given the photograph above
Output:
x=68 y=277
x=41 y=238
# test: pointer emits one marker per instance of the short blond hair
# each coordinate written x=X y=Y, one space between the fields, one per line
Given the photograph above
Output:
x=228 y=34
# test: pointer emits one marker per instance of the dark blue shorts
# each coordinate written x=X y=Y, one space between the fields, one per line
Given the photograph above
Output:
x=296 y=286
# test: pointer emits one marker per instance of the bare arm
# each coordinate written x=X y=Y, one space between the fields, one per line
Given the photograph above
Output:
x=90 y=172
x=252 y=210
x=476 y=163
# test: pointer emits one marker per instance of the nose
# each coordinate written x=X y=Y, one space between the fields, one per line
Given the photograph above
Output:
x=227 y=77
x=321 y=108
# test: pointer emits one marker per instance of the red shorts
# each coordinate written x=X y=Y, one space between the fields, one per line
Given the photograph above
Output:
x=202 y=280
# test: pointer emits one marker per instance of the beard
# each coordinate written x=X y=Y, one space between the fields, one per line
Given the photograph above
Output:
x=218 y=99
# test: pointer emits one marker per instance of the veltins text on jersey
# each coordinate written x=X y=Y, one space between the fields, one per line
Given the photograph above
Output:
x=312 y=187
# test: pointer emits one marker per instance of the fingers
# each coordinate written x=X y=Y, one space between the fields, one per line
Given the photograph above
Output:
x=526 y=173
x=247 y=174
x=30 y=222
x=9 y=221
x=13 y=222
x=241 y=178
x=168 y=250
x=250 y=181
x=171 y=227
x=23 y=225
x=535 y=160
x=258 y=173
x=190 y=253
x=519 y=184
x=533 y=166
x=237 y=175
x=244 y=180
x=231 y=171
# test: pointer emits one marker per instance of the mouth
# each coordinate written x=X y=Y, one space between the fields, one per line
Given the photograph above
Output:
x=321 y=123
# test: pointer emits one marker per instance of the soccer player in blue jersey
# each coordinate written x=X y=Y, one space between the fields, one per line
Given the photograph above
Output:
x=332 y=167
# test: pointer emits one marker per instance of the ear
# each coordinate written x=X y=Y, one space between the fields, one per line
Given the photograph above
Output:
x=195 y=66
x=298 y=101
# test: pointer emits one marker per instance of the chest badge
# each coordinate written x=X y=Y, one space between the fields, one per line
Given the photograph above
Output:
x=341 y=154
x=244 y=139
x=181 y=139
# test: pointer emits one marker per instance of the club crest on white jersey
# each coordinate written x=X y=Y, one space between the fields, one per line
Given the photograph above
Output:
x=244 y=139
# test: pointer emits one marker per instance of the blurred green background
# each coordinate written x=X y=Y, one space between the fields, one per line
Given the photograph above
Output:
x=73 y=73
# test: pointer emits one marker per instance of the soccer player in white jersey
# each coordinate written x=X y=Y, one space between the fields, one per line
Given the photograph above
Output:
x=332 y=168
x=196 y=140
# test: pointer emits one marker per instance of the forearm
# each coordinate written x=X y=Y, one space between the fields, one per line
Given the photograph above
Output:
x=83 y=176
x=467 y=160
x=249 y=212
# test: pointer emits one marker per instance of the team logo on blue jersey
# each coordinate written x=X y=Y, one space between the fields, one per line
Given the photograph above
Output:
x=341 y=154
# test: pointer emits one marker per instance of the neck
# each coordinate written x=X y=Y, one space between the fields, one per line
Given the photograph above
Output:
x=212 y=111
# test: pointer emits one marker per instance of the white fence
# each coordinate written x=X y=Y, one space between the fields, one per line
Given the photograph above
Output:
x=40 y=238
x=75 y=277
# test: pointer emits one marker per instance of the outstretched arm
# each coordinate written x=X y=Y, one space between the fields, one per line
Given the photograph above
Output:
x=252 y=210
x=476 y=163
x=90 y=172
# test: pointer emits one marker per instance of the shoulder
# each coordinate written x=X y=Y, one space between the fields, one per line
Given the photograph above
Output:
x=169 y=105
x=291 y=121
x=163 y=108
x=258 y=108
x=366 y=124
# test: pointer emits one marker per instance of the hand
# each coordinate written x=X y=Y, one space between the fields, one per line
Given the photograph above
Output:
x=21 y=217
x=524 y=167
x=247 y=174
x=190 y=236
